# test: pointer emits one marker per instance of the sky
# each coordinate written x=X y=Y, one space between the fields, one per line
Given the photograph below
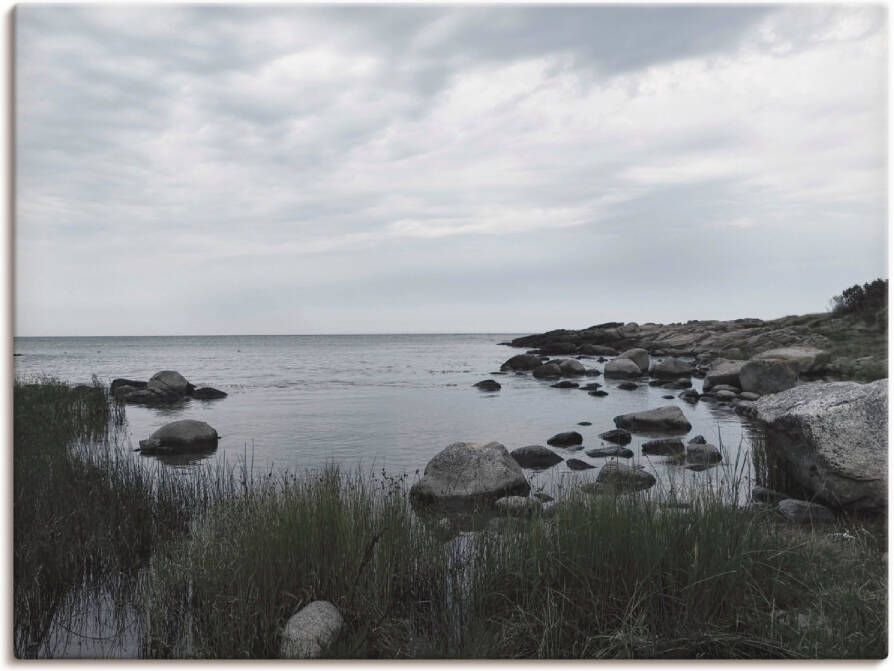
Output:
x=510 y=169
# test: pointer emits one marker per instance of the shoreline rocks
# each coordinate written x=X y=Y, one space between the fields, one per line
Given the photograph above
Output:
x=164 y=388
x=666 y=419
x=182 y=436
x=310 y=631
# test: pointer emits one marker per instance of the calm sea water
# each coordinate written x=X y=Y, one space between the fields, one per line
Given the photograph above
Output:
x=384 y=401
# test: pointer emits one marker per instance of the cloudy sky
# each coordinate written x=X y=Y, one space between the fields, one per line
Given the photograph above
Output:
x=425 y=169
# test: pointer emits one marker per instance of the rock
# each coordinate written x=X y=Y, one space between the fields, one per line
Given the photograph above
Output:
x=521 y=362
x=833 y=440
x=723 y=371
x=682 y=383
x=186 y=435
x=613 y=451
x=621 y=368
x=698 y=440
x=578 y=465
x=488 y=385
x=744 y=408
x=702 y=453
x=554 y=348
x=208 y=393
x=725 y=396
x=628 y=386
x=123 y=382
x=565 y=384
x=621 y=477
x=765 y=495
x=725 y=387
x=310 y=631
x=593 y=372
x=664 y=447
x=570 y=367
x=535 y=456
x=668 y=418
x=804 y=359
x=619 y=436
x=597 y=350
x=566 y=439
x=749 y=396
x=690 y=396
x=585 y=423
x=547 y=370
x=768 y=376
x=672 y=367
x=591 y=386
x=170 y=381
x=804 y=512
x=468 y=474
x=668 y=397
x=516 y=506
x=598 y=392
x=639 y=356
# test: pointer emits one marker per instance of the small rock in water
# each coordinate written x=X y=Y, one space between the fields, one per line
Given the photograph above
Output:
x=578 y=465
x=668 y=418
x=628 y=386
x=592 y=386
x=614 y=451
x=310 y=631
x=619 y=477
x=585 y=423
x=488 y=385
x=664 y=447
x=535 y=456
x=619 y=436
x=566 y=439
x=565 y=384
x=598 y=392
x=669 y=397
x=208 y=393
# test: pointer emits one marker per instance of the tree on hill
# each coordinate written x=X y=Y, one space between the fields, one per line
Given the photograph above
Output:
x=872 y=296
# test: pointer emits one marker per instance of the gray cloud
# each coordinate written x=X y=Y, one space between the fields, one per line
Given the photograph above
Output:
x=318 y=169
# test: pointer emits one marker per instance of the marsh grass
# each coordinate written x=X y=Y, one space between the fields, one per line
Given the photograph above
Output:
x=217 y=561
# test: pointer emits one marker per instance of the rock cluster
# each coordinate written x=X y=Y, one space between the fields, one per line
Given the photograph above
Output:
x=165 y=387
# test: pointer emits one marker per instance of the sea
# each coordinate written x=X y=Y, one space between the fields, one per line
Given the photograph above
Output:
x=376 y=402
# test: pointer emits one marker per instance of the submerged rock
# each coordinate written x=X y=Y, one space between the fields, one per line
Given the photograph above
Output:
x=566 y=439
x=184 y=435
x=664 y=447
x=833 y=440
x=668 y=418
x=613 y=451
x=535 y=456
x=310 y=631
x=208 y=393
x=565 y=384
x=619 y=436
x=467 y=474
x=488 y=385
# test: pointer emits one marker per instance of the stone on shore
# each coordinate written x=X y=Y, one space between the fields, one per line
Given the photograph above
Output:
x=521 y=362
x=667 y=419
x=619 y=436
x=566 y=439
x=702 y=454
x=570 y=367
x=622 y=368
x=664 y=447
x=723 y=371
x=184 y=435
x=124 y=382
x=621 y=477
x=547 y=370
x=804 y=359
x=768 y=376
x=468 y=474
x=535 y=456
x=578 y=465
x=310 y=631
x=639 y=356
x=804 y=512
x=833 y=440
x=613 y=451
x=170 y=381
x=672 y=367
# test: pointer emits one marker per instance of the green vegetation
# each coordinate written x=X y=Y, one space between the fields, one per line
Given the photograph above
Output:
x=869 y=298
x=226 y=558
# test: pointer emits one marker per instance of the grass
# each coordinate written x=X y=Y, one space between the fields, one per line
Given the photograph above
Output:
x=219 y=560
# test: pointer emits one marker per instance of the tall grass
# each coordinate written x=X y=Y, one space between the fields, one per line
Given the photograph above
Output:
x=221 y=559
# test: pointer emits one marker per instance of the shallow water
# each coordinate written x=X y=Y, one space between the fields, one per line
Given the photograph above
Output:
x=381 y=401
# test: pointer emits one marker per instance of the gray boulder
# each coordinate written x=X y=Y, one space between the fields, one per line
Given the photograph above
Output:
x=804 y=359
x=521 y=362
x=723 y=371
x=639 y=356
x=535 y=456
x=467 y=474
x=833 y=440
x=622 y=368
x=571 y=367
x=124 y=382
x=672 y=367
x=613 y=451
x=185 y=435
x=488 y=385
x=578 y=465
x=767 y=376
x=664 y=447
x=619 y=436
x=804 y=512
x=702 y=453
x=565 y=384
x=621 y=477
x=667 y=419
x=547 y=370
x=170 y=381
x=310 y=631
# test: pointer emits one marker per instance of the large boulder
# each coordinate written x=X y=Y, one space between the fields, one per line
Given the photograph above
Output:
x=804 y=359
x=310 y=631
x=833 y=440
x=469 y=474
x=521 y=362
x=619 y=477
x=666 y=419
x=184 y=435
x=639 y=356
x=570 y=367
x=672 y=367
x=208 y=394
x=621 y=368
x=170 y=381
x=723 y=371
x=664 y=447
x=767 y=376
x=535 y=456
x=547 y=370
